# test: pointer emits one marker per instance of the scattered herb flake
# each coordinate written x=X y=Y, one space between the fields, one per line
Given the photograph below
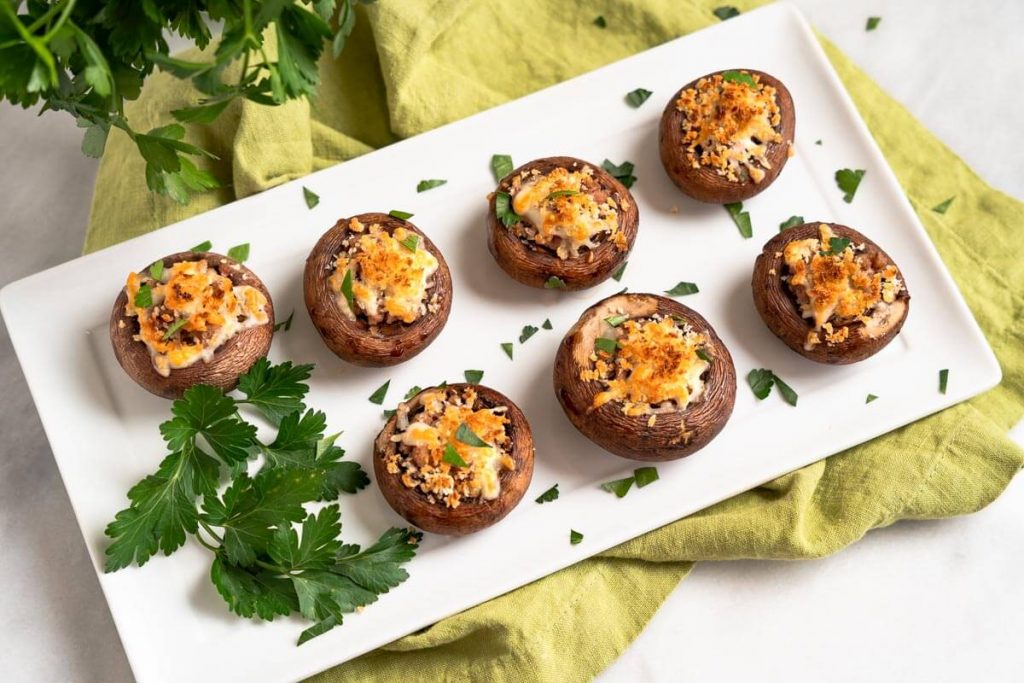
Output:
x=561 y=193
x=474 y=376
x=346 y=290
x=870 y=398
x=944 y=206
x=549 y=495
x=616 y=320
x=501 y=166
x=645 y=475
x=425 y=185
x=312 y=198
x=726 y=12
x=503 y=209
x=285 y=325
x=791 y=222
x=703 y=354
x=623 y=172
x=638 y=97
x=400 y=215
x=848 y=181
x=575 y=537
x=682 y=289
x=377 y=397
x=412 y=392
x=156 y=270
x=788 y=395
x=741 y=218
x=606 y=345
x=554 y=282
x=507 y=348
x=202 y=246
x=452 y=457
x=388 y=414
x=739 y=77
x=466 y=436
x=600 y=22
x=817 y=142
x=943 y=380
x=239 y=252
x=547 y=324
x=528 y=331
x=761 y=382
x=873 y=23
x=178 y=324
x=617 y=275
x=144 y=297
x=836 y=246
x=620 y=487
x=411 y=242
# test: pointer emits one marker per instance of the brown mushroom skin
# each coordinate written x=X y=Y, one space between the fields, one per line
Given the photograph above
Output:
x=675 y=434
x=533 y=264
x=780 y=313
x=231 y=360
x=470 y=515
x=704 y=184
x=351 y=340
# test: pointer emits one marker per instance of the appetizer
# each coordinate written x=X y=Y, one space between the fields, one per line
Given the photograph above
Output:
x=561 y=223
x=726 y=136
x=454 y=459
x=191 y=318
x=829 y=292
x=377 y=289
x=645 y=377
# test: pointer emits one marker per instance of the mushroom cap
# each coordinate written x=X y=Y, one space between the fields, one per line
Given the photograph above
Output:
x=471 y=514
x=352 y=340
x=233 y=358
x=534 y=264
x=703 y=183
x=675 y=434
x=779 y=311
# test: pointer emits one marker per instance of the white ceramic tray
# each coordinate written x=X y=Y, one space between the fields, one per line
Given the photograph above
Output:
x=103 y=428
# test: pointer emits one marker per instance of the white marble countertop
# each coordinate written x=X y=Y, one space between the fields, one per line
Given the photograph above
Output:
x=921 y=601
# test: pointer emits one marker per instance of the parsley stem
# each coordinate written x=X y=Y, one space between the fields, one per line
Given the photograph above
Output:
x=45 y=18
x=60 y=21
x=209 y=530
x=202 y=542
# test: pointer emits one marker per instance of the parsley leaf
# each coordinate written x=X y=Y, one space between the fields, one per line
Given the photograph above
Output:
x=554 y=282
x=507 y=348
x=549 y=495
x=600 y=22
x=378 y=395
x=528 y=331
x=606 y=345
x=620 y=487
x=836 y=246
x=616 y=320
x=943 y=380
x=682 y=289
x=452 y=457
x=703 y=354
x=761 y=382
x=739 y=77
x=575 y=537
x=638 y=97
x=870 y=398
x=202 y=246
x=848 y=181
x=205 y=411
x=156 y=271
x=741 y=218
x=415 y=389
x=501 y=166
x=787 y=391
x=175 y=326
x=726 y=12
x=944 y=206
x=623 y=172
x=561 y=193
x=239 y=252
x=144 y=297
x=547 y=324
x=400 y=215
x=503 y=209
x=474 y=376
x=347 y=292
x=617 y=275
x=873 y=23
x=411 y=242
x=468 y=437
x=645 y=476
x=285 y=324
x=791 y=222
x=275 y=390
x=425 y=185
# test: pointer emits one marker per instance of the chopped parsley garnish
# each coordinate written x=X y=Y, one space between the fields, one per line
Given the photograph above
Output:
x=645 y=475
x=239 y=252
x=873 y=23
x=848 y=181
x=791 y=222
x=474 y=376
x=575 y=537
x=638 y=97
x=617 y=275
x=546 y=324
x=425 y=185
x=554 y=282
x=377 y=397
x=741 y=218
x=388 y=414
x=346 y=290
x=312 y=198
x=616 y=320
x=412 y=392
x=944 y=206
x=400 y=215
x=703 y=354
x=285 y=324
x=452 y=457
x=761 y=382
x=606 y=345
x=156 y=270
x=501 y=166
x=943 y=380
x=528 y=331
x=817 y=142
x=600 y=22
x=620 y=487
x=836 y=246
x=682 y=289
x=623 y=172
x=503 y=209
x=178 y=324
x=507 y=348
x=739 y=77
x=561 y=193
x=870 y=398
x=144 y=297
x=411 y=242
x=202 y=246
x=466 y=436
x=549 y=495
x=726 y=12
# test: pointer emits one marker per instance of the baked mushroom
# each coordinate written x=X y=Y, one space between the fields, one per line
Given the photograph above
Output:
x=454 y=459
x=191 y=318
x=830 y=293
x=726 y=136
x=561 y=223
x=377 y=289
x=645 y=377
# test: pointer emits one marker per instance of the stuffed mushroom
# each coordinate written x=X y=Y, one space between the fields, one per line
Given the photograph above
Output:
x=561 y=223
x=645 y=377
x=726 y=136
x=829 y=292
x=191 y=318
x=454 y=459
x=377 y=289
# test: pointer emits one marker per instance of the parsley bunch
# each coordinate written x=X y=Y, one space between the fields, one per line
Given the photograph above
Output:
x=86 y=57
x=263 y=565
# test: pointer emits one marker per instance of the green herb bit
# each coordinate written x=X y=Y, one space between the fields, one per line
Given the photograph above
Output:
x=466 y=436
x=156 y=271
x=870 y=398
x=638 y=97
x=473 y=376
x=388 y=414
x=617 y=275
x=703 y=355
x=412 y=392
x=682 y=289
x=144 y=297
x=616 y=320
x=285 y=324
x=377 y=397
x=943 y=380
x=645 y=475
x=620 y=487
x=503 y=209
x=411 y=242
x=202 y=247
x=178 y=324
x=873 y=23
x=575 y=537
x=739 y=77
x=818 y=142
x=239 y=252
x=554 y=282
x=791 y=222
x=400 y=215
x=501 y=166
x=312 y=198
x=507 y=348
x=561 y=193
x=452 y=457
x=944 y=206
x=848 y=181
x=836 y=246
x=600 y=22
x=546 y=324
x=549 y=495
x=726 y=12
x=741 y=218
x=623 y=172
x=528 y=331
x=346 y=290
x=606 y=345
x=788 y=395
x=761 y=382
x=425 y=185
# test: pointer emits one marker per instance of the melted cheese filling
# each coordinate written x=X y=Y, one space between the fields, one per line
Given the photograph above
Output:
x=728 y=126
x=566 y=210
x=214 y=308
x=389 y=280
x=424 y=440
x=656 y=363
x=834 y=290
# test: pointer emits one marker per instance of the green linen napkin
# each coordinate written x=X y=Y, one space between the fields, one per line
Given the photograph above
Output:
x=412 y=66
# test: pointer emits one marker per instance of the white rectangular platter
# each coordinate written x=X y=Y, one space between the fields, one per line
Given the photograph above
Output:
x=103 y=428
